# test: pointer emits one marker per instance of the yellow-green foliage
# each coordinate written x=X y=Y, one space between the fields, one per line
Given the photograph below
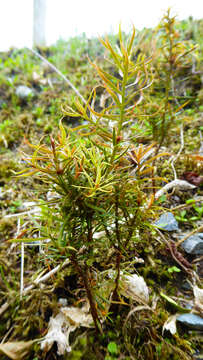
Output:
x=91 y=171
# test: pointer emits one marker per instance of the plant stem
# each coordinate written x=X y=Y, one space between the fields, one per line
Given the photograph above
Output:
x=85 y=277
x=116 y=217
x=115 y=296
x=122 y=108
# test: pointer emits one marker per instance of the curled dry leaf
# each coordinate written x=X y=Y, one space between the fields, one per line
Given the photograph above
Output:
x=170 y=324
x=134 y=286
x=38 y=78
x=58 y=331
x=198 y=301
x=78 y=317
x=16 y=350
x=60 y=327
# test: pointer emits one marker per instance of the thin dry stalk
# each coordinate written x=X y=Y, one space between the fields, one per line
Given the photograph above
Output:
x=59 y=73
x=174 y=158
x=36 y=282
x=180 y=184
x=169 y=245
x=22 y=270
x=200 y=228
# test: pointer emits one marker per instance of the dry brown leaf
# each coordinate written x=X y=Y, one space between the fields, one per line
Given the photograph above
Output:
x=170 y=324
x=65 y=322
x=16 y=350
x=78 y=317
x=198 y=301
x=193 y=178
x=134 y=287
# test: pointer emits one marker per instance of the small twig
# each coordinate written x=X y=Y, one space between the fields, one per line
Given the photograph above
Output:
x=6 y=335
x=174 y=158
x=183 y=206
x=201 y=143
x=18 y=228
x=33 y=211
x=59 y=73
x=50 y=83
x=22 y=270
x=21 y=260
x=4 y=307
x=172 y=252
x=45 y=277
x=135 y=309
x=182 y=184
x=197 y=260
x=36 y=282
x=200 y=228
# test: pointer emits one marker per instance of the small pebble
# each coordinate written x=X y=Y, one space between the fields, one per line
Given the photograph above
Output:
x=194 y=244
x=192 y=321
x=63 y=301
x=23 y=92
x=167 y=222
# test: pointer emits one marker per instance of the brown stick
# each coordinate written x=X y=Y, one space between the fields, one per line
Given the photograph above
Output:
x=175 y=254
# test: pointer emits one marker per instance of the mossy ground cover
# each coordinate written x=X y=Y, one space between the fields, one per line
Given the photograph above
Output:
x=170 y=108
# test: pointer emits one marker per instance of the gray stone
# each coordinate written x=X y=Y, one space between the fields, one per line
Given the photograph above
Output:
x=23 y=92
x=192 y=321
x=167 y=222
x=194 y=244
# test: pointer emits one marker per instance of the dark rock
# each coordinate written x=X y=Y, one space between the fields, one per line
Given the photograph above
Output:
x=192 y=321
x=194 y=244
x=167 y=222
